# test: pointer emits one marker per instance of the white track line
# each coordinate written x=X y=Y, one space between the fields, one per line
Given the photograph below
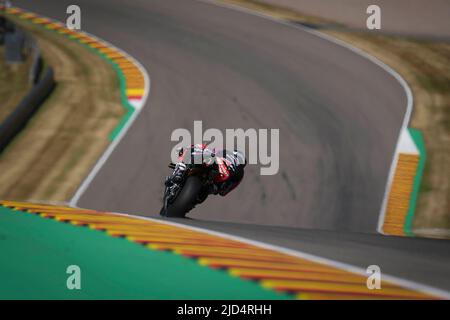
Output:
x=105 y=156
x=299 y=254
x=409 y=107
x=343 y=266
x=101 y=162
x=341 y=43
x=385 y=67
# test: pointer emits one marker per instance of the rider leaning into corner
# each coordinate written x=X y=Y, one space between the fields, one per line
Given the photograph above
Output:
x=227 y=167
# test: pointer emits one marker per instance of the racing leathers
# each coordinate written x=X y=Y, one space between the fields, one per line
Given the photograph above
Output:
x=227 y=167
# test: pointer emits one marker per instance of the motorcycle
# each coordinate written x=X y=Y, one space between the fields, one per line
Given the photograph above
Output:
x=189 y=183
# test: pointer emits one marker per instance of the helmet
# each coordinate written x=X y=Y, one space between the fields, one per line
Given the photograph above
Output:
x=239 y=158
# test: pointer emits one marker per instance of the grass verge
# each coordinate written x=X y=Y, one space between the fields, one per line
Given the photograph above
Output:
x=49 y=159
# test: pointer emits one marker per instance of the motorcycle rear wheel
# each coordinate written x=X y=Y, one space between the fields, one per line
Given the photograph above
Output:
x=186 y=199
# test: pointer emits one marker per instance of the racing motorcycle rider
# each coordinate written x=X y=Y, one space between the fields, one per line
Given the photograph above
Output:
x=227 y=167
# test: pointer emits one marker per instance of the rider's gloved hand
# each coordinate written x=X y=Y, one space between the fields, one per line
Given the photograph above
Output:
x=180 y=168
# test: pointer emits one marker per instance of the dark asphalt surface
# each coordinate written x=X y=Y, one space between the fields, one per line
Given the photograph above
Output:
x=339 y=116
x=422 y=260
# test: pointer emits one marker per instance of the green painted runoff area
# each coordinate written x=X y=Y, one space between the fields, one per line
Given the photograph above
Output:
x=35 y=253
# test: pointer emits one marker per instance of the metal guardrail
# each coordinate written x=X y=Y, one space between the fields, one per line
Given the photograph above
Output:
x=2 y=29
x=17 y=43
x=37 y=63
x=14 y=123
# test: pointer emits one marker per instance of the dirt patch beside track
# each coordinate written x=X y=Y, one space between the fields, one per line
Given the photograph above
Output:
x=59 y=146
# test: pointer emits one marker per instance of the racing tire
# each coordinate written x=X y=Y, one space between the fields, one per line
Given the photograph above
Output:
x=186 y=199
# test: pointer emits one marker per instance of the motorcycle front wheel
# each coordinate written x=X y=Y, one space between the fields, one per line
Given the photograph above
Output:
x=186 y=199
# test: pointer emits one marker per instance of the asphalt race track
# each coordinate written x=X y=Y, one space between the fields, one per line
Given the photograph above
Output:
x=421 y=260
x=339 y=117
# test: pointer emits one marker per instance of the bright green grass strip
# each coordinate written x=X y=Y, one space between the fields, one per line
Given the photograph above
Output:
x=420 y=143
x=35 y=253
